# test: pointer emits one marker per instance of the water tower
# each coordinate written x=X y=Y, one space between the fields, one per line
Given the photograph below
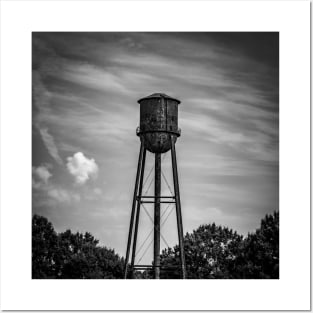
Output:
x=158 y=132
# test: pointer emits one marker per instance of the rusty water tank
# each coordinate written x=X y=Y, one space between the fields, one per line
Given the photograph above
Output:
x=158 y=122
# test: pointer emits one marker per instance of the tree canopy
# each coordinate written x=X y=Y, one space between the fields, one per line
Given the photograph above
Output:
x=70 y=255
x=259 y=255
x=211 y=252
x=218 y=252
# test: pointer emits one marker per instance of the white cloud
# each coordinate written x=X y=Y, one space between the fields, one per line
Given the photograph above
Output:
x=81 y=167
x=41 y=175
x=42 y=172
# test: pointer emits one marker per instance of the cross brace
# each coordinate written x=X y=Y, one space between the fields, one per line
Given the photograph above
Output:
x=157 y=199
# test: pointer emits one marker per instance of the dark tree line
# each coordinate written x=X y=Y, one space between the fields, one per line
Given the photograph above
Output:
x=211 y=252
x=218 y=252
x=70 y=255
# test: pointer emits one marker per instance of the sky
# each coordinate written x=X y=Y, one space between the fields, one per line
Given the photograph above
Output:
x=85 y=88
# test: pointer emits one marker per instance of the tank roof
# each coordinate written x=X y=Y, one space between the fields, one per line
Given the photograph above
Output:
x=158 y=95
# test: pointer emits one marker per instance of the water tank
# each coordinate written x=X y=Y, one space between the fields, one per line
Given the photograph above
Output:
x=158 y=122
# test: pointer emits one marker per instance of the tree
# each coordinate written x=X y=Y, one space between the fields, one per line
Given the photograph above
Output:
x=260 y=252
x=218 y=252
x=44 y=248
x=71 y=255
x=209 y=251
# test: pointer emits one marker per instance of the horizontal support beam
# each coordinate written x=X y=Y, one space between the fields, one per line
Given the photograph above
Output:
x=153 y=266
x=150 y=267
x=159 y=202
x=154 y=197
x=162 y=269
x=146 y=266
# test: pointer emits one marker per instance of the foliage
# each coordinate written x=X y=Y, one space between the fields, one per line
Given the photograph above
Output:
x=211 y=252
x=218 y=252
x=44 y=246
x=70 y=255
x=260 y=252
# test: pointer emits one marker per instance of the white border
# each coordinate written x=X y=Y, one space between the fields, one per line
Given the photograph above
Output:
x=19 y=19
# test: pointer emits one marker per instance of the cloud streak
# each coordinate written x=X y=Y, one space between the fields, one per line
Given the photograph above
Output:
x=50 y=144
x=47 y=193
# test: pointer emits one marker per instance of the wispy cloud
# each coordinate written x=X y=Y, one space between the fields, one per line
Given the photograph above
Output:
x=42 y=173
x=41 y=113
x=47 y=192
x=62 y=195
x=50 y=144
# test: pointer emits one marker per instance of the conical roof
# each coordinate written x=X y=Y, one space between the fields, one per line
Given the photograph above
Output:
x=158 y=95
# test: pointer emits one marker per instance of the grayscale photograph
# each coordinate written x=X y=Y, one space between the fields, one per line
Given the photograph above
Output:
x=155 y=155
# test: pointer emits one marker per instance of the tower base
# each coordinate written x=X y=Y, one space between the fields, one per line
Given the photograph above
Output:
x=157 y=199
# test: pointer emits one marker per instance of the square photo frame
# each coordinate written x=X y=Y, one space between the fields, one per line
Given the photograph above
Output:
x=20 y=20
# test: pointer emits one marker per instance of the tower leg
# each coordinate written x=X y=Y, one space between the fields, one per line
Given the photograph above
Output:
x=178 y=210
x=130 y=233
x=157 y=208
x=138 y=210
